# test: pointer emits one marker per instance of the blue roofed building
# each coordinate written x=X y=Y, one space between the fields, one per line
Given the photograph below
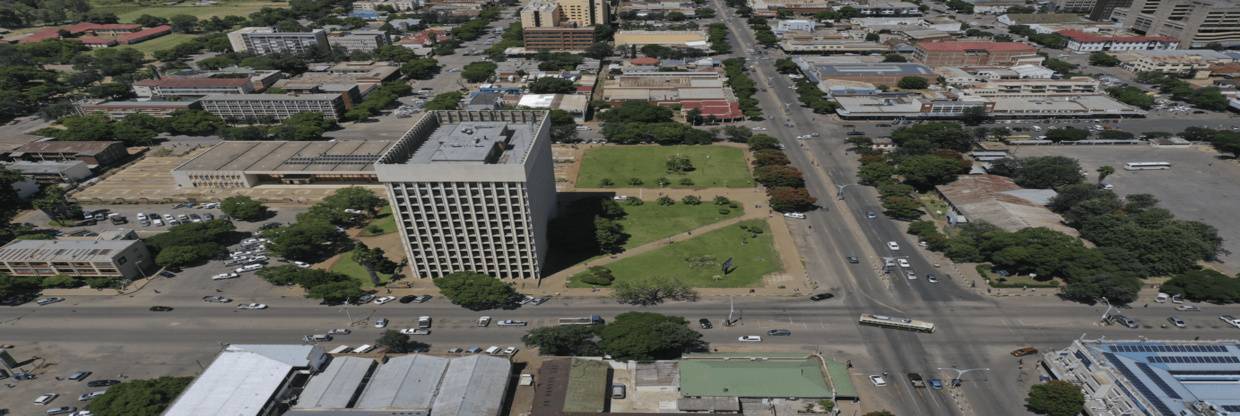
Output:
x=1157 y=378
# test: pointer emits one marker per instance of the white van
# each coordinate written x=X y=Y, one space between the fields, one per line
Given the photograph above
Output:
x=492 y=350
x=365 y=348
x=1162 y=297
x=424 y=322
x=340 y=350
x=249 y=268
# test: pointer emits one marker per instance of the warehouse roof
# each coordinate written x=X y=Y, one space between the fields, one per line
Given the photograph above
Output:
x=243 y=379
x=337 y=385
x=407 y=382
x=758 y=375
x=473 y=385
x=875 y=69
x=54 y=146
x=289 y=156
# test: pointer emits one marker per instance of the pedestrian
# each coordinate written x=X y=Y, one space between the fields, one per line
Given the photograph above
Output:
x=58 y=378
x=1146 y=305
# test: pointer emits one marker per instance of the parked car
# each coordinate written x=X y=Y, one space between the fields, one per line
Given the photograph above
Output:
x=103 y=383
x=1179 y=323
x=916 y=380
x=705 y=323
x=381 y=323
x=384 y=299
x=407 y=298
x=821 y=296
x=749 y=338
x=1125 y=321
x=224 y=276
x=1024 y=351
x=49 y=300
x=79 y=376
x=797 y=215
x=877 y=380
x=340 y=331
x=61 y=410
x=91 y=395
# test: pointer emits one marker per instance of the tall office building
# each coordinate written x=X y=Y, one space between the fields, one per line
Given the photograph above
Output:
x=473 y=191
x=1103 y=8
x=541 y=13
x=265 y=40
x=1195 y=23
x=586 y=12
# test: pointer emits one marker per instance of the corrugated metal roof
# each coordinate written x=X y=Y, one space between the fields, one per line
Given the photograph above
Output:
x=337 y=385
x=243 y=379
x=407 y=382
x=473 y=386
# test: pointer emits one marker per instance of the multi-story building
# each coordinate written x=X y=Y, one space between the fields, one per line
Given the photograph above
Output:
x=258 y=107
x=879 y=73
x=127 y=259
x=1074 y=6
x=1150 y=377
x=810 y=43
x=398 y=5
x=1179 y=61
x=359 y=40
x=541 y=13
x=586 y=12
x=94 y=153
x=473 y=191
x=51 y=172
x=975 y=53
x=265 y=40
x=695 y=39
x=1079 y=41
x=117 y=110
x=192 y=86
x=1103 y=8
x=1196 y=23
x=559 y=38
x=1036 y=87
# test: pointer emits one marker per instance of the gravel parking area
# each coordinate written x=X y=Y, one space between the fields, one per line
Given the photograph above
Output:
x=1199 y=186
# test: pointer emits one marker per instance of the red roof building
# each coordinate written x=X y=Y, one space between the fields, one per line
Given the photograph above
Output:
x=643 y=61
x=100 y=35
x=144 y=34
x=426 y=37
x=975 y=53
x=1092 y=42
x=721 y=110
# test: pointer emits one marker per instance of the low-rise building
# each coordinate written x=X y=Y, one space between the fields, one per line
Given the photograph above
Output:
x=51 y=173
x=575 y=104
x=882 y=73
x=117 y=110
x=194 y=86
x=415 y=384
x=358 y=40
x=398 y=5
x=242 y=164
x=801 y=25
x=959 y=53
x=812 y=43
x=670 y=38
x=128 y=259
x=258 y=107
x=664 y=88
x=1079 y=41
x=1036 y=87
x=1172 y=61
x=889 y=106
x=249 y=380
x=1161 y=377
x=999 y=201
x=93 y=153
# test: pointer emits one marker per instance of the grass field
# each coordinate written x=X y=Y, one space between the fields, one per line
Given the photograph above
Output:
x=650 y=222
x=347 y=266
x=385 y=221
x=163 y=42
x=128 y=12
x=715 y=166
x=698 y=261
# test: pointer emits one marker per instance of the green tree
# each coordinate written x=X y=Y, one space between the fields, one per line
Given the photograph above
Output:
x=1204 y=286
x=913 y=83
x=187 y=255
x=478 y=71
x=789 y=199
x=926 y=171
x=147 y=20
x=563 y=126
x=679 y=164
x=309 y=125
x=57 y=205
x=637 y=111
x=476 y=291
x=395 y=342
x=18 y=287
x=1103 y=59
x=354 y=197
x=598 y=276
x=652 y=290
x=244 y=208
x=183 y=23
x=779 y=175
x=1055 y=398
x=419 y=68
x=308 y=241
x=925 y=137
x=374 y=260
x=761 y=141
x=445 y=101
x=1048 y=172
x=648 y=336
x=975 y=115
x=552 y=85
x=609 y=235
x=1103 y=172
x=564 y=340
x=1067 y=134
x=194 y=123
x=139 y=397
x=1132 y=96
x=902 y=207
x=94 y=126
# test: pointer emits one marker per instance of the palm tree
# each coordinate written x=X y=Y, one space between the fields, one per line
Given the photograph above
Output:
x=1103 y=172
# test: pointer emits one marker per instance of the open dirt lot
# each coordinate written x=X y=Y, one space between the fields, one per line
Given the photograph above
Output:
x=1199 y=186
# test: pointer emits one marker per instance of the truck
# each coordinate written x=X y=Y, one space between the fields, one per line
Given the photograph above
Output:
x=584 y=320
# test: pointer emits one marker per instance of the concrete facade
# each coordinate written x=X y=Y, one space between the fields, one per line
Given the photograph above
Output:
x=1195 y=23
x=273 y=106
x=265 y=40
x=473 y=191
x=127 y=259
x=559 y=38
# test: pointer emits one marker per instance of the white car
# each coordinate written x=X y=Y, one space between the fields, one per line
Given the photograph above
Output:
x=384 y=299
x=91 y=395
x=248 y=268
x=44 y=399
x=893 y=246
x=252 y=306
x=878 y=380
x=381 y=323
x=141 y=216
x=415 y=331
x=223 y=276
x=1186 y=308
x=158 y=222
x=911 y=275
x=301 y=264
x=903 y=263
x=797 y=215
x=749 y=338
x=510 y=350
x=619 y=197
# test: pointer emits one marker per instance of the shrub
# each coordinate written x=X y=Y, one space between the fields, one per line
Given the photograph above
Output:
x=691 y=200
x=606 y=182
x=598 y=276
x=633 y=201
x=686 y=182
x=724 y=211
x=635 y=181
x=665 y=201
x=722 y=200
x=60 y=281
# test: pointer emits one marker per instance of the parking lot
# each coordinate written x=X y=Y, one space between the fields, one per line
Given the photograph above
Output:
x=283 y=214
x=1200 y=186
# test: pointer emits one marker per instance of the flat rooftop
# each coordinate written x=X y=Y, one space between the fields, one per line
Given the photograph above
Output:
x=876 y=69
x=290 y=156
x=757 y=375
x=493 y=137
x=64 y=250
x=1173 y=375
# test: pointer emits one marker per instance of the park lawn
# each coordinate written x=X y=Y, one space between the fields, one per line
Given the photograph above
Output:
x=345 y=265
x=696 y=262
x=385 y=220
x=650 y=221
x=129 y=12
x=160 y=43
x=715 y=166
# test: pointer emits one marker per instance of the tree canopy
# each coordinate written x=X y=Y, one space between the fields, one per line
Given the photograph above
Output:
x=244 y=208
x=477 y=291
x=1055 y=398
x=646 y=336
x=139 y=397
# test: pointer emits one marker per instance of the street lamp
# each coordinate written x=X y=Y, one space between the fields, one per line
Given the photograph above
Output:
x=839 y=193
x=960 y=373
x=1108 y=311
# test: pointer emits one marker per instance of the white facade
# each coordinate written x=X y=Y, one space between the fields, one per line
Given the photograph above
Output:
x=265 y=40
x=473 y=191
x=798 y=25
x=272 y=106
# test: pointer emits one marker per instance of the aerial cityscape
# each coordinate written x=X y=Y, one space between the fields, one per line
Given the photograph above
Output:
x=619 y=207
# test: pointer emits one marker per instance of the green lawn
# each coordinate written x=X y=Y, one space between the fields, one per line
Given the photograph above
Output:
x=347 y=266
x=650 y=222
x=128 y=12
x=160 y=43
x=385 y=220
x=696 y=262
x=715 y=166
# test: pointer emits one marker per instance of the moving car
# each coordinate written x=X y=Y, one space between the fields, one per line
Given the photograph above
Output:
x=878 y=381
x=1024 y=351
x=511 y=322
x=79 y=376
x=932 y=278
x=103 y=383
x=705 y=323
x=1187 y=308
x=903 y=263
x=1230 y=320
x=252 y=306
x=415 y=331
x=749 y=338
x=216 y=299
x=158 y=308
x=1179 y=323
x=779 y=333
x=893 y=246
x=853 y=260
x=871 y=215
x=916 y=380
x=381 y=323
x=796 y=215
x=936 y=384
x=339 y=331
x=821 y=296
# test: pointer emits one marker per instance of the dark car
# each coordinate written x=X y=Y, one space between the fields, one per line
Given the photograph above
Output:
x=103 y=383
x=821 y=296
x=407 y=298
x=79 y=376
x=779 y=333
x=705 y=323
x=269 y=226
x=853 y=260
x=916 y=380
x=161 y=308
x=1024 y=351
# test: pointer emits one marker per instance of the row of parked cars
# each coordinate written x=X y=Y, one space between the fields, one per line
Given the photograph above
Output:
x=47 y=398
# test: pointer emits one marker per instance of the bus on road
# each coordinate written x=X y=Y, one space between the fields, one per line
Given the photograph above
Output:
x=896 y=323
x=1147 y=166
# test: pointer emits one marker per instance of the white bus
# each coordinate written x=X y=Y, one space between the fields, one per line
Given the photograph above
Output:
x=365 y=348
x=1147 y=166
x=897 y=323
x=340 y=350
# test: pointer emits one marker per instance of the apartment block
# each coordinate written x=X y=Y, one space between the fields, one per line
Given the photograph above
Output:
x=1074 y=6
x=473 y=191
x=975 y=53
x=117 y=110
x=1195 y=23
x=541 y=14
x=192 y=86
x=586 y=12
x=258 y=107
x=1037 y=87
x=559 y=38
x=1103 y=8
x=265 y=40
x=359 y=40
x=1172 y=62
x=84 y=258
x=1079 y=41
